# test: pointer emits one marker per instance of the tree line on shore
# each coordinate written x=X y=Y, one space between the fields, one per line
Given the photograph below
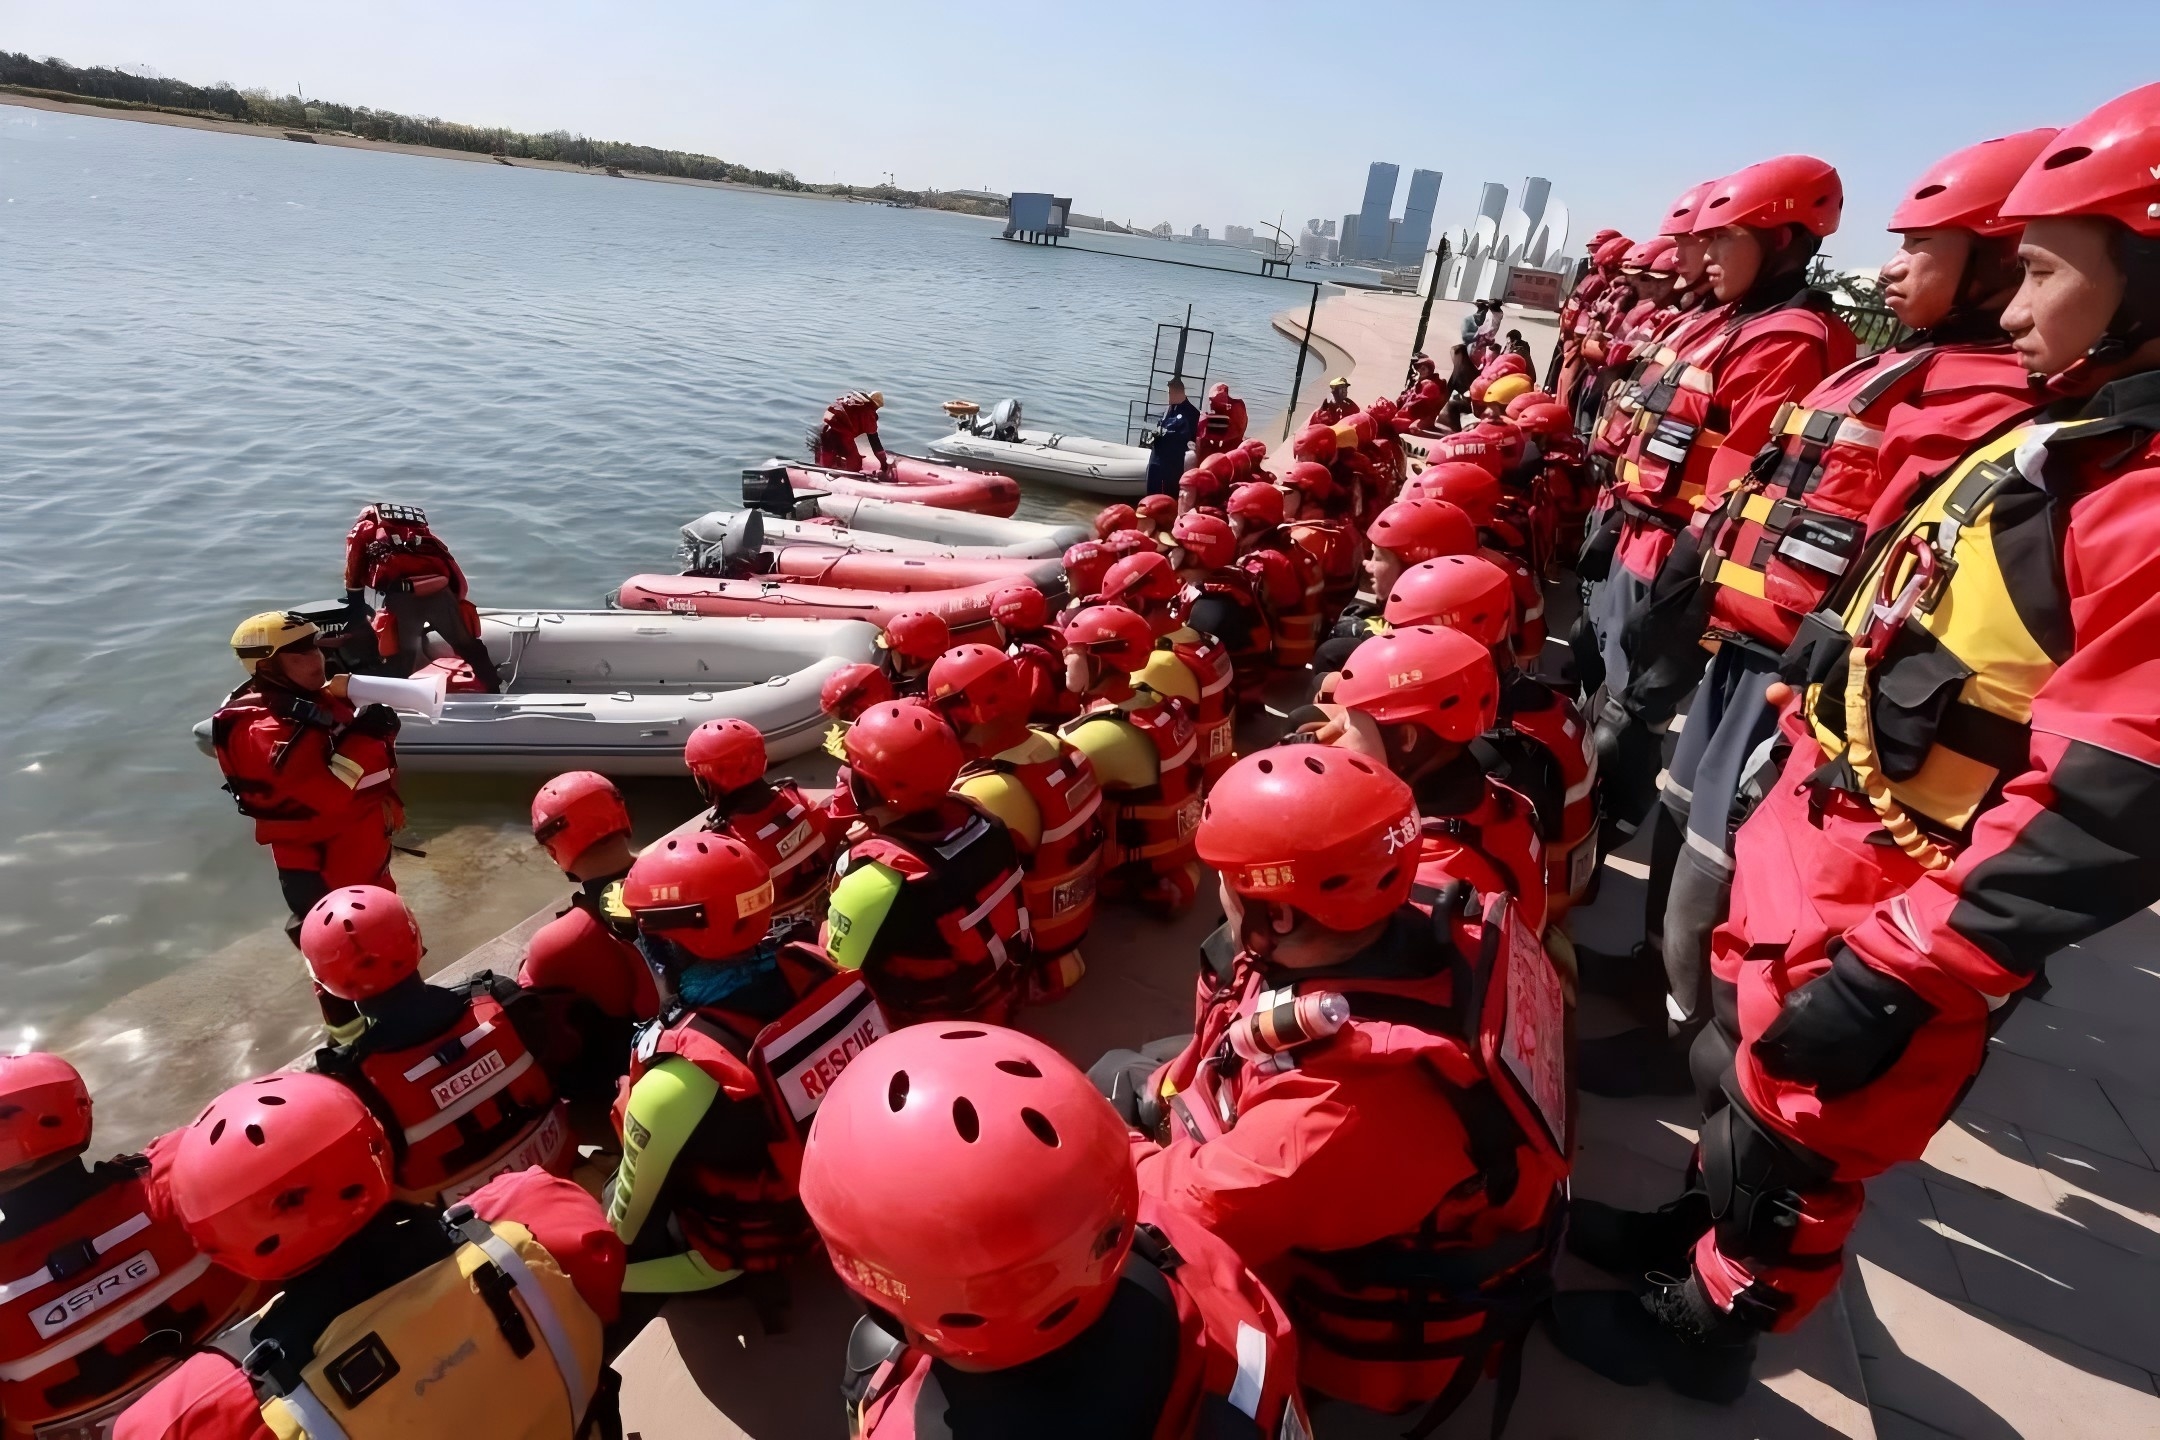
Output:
x=120 y=89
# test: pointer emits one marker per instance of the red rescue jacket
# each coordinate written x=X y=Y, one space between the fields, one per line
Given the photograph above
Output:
x=792 y=834
x=390 y=546
x=295 y=770
x=1058 y=872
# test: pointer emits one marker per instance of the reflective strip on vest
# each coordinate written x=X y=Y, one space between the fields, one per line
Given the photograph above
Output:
x=434 y=1060
x=99 y=1247
x=567 y=1368
x=14 y=1372
x=976 y=916
x=1251 y=1370
x=494 y=1085
x=1080 y=817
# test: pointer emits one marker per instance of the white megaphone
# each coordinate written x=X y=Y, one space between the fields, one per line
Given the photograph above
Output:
x=424 y=694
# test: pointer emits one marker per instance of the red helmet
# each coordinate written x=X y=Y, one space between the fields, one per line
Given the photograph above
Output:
x=726 y=754
x=1017 y=1246
x=44 y=1108
x=1548 y=420
x=1508 y=363
x=1361 y=421
x=360 y=941
x=1160 y=510
x=1463 y=592
x=1259 y=502
x=1638 y=255
x=1020 y=607
x=919 y=636
x=1610 y=252
x=1524 y=401
x=574 y=812
x=1311 y=479
x=1478 y=386
x=1417 y=530
x=1254 y=451
x=1207 y=539
x=1424 y=365
x=1125 y=543
x=2102 y=165
x=708 y=893
x=1423 y=675
x=1141 y=580
x=1664 y=256
x=1508 y=436
x=978 y=685
x=852 y=689
x=1680 y=217
x=1314 y=442
x=1465 y=447
x=1602 y=236
x=1120 y=638
x=1206 y=482
x=1323 y=830
x=1382 y=412
x=1473 y=489
x=1218 y=396
x=278 y=1172
x=1113 y=518
x=1965 y=191
x=1788 y=190
x=906 y=752
x=1084 y=566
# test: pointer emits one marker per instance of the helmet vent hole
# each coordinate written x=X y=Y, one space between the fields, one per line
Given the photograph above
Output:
x=2069 y=155
x=254 y=1134
x=265 y=1246
x=961 y=1035
x=1267 y=767
x=1039 y=1126
x=291 y=1199
x=1025 y=1069
x=217 y=1132
x=896 y=1092
x=1314 y=765
x=352 y=1192
x=1334 y=882
x=1107 y=1241
x=1058 y=1316
x=1929 y=192
x=1357 y=764
x=271 y=1099
x=960 y=1320
x=965 y=1120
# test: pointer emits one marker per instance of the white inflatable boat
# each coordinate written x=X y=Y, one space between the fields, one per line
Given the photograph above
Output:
x=619 y=692
x=999 y=442
x=771 y=489
x=1033 y=541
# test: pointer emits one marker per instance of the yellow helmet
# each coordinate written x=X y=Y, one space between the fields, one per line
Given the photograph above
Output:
x=1339 y=382
x=1506 y=388
x=877 y=398
x=261 y=636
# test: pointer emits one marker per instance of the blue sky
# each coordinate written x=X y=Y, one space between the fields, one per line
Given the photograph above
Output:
x=1216 y=113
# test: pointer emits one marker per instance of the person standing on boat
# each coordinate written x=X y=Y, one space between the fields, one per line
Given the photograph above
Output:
x=847 y=435
x=391 y=550
x=1179 y=428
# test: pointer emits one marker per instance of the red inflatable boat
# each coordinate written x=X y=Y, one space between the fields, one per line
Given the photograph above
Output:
x=965 y=607
x=943 y=487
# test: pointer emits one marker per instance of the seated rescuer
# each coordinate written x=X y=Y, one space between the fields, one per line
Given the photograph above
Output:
x=1286 y=577
x=499 y=1306
x=583 y=969
x=1332 y=1118
x=1187 y=663
x=1142 y=747
x=723 y=1085
x=104 y=1290
x=1037 y=646
x=786 y=829
x=317 y=776
x=1222 y=598
x=912 y=639
x=1029 y=1291
x=1044 y=788
x=1157 y=514
x=846 y=694
x=1406 y=533
x=391 y=550
x=445 y=1067
x=927 y=904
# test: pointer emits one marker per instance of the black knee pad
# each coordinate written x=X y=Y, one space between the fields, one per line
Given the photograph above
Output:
x=1755 y=1180
x=1710 y=1056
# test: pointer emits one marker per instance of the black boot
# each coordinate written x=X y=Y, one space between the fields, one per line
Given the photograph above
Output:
x=1646 y=1060
x=1671 y=1332
x=1633 y=1243
x=1625 y=976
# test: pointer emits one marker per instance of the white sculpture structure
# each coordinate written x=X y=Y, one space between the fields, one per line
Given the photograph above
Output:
x=1530 y=235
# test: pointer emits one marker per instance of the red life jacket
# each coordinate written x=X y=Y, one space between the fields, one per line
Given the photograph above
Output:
x=390 y=546
x=1795 y=524
x=101 y=1292
x=1335 y=547
x=1058 y=874
x=1236 y=1354
x=271 y=742
x=1215 y=716
x=1250 y=663
x=1529 y=641
x=847 y=417
x=789 y=832
x=943 y=950
x=1153 y=827
x=1616 y=417
x=756 y=1221
x=1287 y=579
x=1495 y=847
x=463 y=1106
x=1330 y=412
x=1418 y=1313
x=1532 y=711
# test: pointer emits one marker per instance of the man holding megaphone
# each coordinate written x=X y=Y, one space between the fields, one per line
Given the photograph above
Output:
x=314 y=766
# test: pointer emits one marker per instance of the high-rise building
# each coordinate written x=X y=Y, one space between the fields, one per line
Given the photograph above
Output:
x=1239 y=235
x=1199 y=232
x=1372 y=216
x=1413 y=237
x=1349 y=246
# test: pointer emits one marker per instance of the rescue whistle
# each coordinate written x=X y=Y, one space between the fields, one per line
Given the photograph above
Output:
x=1264 y=1039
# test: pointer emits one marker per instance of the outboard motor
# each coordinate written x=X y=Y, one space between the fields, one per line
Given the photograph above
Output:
x=725 y=545
x=1004 y=421
x=767 y=487
x=344 y=633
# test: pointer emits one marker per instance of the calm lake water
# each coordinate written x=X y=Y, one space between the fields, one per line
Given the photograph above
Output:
x=217 y=348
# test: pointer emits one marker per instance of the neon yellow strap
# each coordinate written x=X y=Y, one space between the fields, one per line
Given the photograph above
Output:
x=666 y=1105
x=859 y=905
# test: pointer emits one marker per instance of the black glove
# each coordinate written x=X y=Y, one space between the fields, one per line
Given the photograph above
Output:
x=1629 y=755
x=1842 y=1030
x=354 y=596
x=379 y=721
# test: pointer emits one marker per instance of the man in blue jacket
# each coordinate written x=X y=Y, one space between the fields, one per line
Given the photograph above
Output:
x=1180 y=425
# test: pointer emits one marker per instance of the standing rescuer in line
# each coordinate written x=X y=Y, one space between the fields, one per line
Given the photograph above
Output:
x=723 y=1085
x=104 y=1290
x=317 y=776
x=1917 y=862
x=391 y=550
x=1029 y=1291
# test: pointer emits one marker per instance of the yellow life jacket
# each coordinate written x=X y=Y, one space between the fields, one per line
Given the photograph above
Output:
x=1954 y=633
x=494 y=1340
